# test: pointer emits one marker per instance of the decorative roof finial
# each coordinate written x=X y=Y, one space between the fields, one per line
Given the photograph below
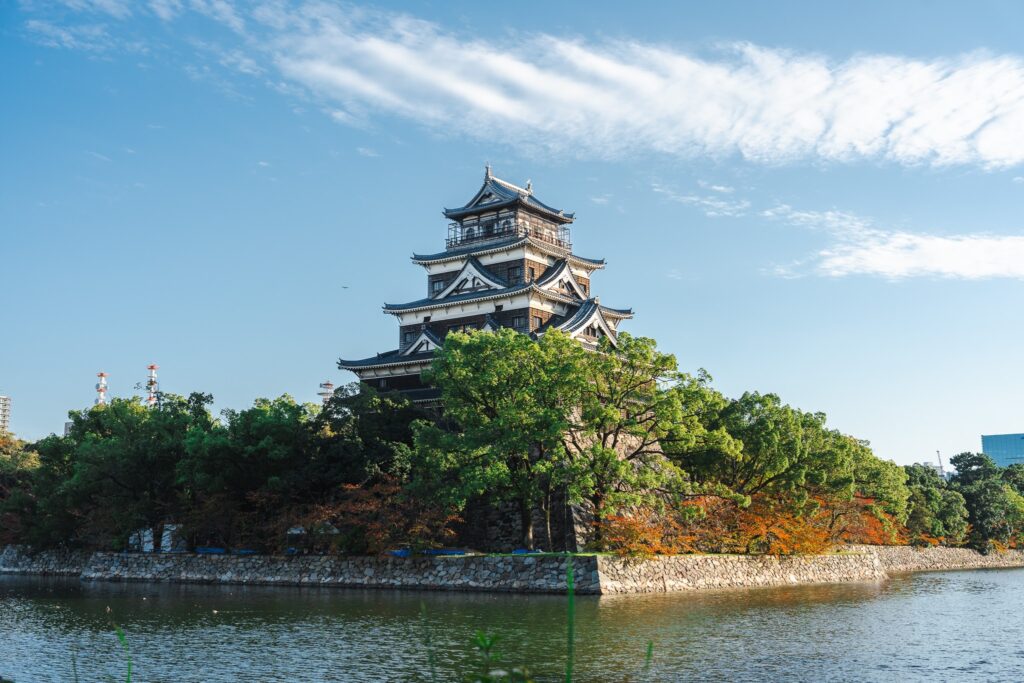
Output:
x=487 y=171
x=529 y=187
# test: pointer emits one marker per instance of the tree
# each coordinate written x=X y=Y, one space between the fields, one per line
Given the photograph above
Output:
x=115 y=471
x=18 y=468
x=242 y=473
x=761 y=445
x=993 y=506
x=509 y=400
x=635 y=404
x=936 y=512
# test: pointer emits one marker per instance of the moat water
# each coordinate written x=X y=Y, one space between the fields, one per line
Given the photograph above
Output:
x=948 y=626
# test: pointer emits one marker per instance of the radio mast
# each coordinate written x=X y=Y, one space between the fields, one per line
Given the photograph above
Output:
x=152 y=386
x=326 y=391
x=101 y=389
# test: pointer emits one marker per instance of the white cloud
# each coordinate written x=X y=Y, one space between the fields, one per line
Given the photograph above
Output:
x=165 y=9
x=724 y=189
x=221 y=11
x=616 y=98
x=861 y=248
x=97 y=155
x=91 y=38
x=609 y=99
x=119 y=9
x=367 y=152
x=263 y=164
x=713 y=206
x=1018 y=179
x=898 y=255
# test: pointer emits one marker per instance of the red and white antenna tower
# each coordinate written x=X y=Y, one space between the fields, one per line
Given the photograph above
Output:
x=326 y=391
x=101 y=389
x=152 y=386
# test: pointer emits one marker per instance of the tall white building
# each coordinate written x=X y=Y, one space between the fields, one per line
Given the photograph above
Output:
x=5 y=413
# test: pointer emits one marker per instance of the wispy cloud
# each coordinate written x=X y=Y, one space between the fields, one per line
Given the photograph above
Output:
x=88 y=37
x=616 y=98
x=610 y=98
x=713 y=206
x=862 y=248
x=97 y=155
x=724 y=189
x=119 y=9
x=367 y=152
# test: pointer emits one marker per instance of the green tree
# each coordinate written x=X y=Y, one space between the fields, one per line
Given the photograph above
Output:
x=18 y=468
x=636 y=405
x=242 y=473
x=762 y=446
x=993 y=506
x=115 y=471
x=936 y=511
x=508 y=400
x=882 y=482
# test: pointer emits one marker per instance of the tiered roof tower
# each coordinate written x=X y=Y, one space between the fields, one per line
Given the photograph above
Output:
x=507 y=262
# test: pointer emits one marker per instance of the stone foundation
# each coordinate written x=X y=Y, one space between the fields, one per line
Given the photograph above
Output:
x=901 y=558
x=702 y=572
x=14 y=560
x=525 y=574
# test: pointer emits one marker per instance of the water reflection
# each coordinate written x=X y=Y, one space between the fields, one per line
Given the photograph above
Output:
x=937 y=626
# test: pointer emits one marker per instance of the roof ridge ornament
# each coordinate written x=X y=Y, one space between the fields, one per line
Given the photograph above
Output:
x=487 y=171
x=529 y=186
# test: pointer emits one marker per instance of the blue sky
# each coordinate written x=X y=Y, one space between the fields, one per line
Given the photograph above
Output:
x=818 y=201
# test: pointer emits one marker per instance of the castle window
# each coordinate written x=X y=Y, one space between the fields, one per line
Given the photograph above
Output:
x=537 y=321
x=514 y=273
x=383 y=383
x=437 y=286
x=533 y=274
x=519 y=322
x=409 y=336
x=498 y=307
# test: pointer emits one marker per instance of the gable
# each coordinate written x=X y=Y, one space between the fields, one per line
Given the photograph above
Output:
x=425 y=342
x=473 y=277
x=561 y=280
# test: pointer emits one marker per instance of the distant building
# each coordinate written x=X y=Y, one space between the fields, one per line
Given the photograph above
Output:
x=1005 y=449
x=5 y=413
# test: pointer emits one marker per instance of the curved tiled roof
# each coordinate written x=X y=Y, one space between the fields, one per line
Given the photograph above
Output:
x=502 y=245
x=506 y=194
x=385 y=359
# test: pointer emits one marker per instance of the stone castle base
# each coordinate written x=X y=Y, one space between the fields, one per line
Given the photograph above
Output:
x=597 y=575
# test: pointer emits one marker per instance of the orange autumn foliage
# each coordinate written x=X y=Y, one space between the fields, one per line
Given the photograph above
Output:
x=377 y=517
x=644 y=533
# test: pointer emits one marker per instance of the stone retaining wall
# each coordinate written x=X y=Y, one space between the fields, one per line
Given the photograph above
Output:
x=907 y=559
x=14 y=560
x=527 y=574
x=701 y=572
x=544 y=574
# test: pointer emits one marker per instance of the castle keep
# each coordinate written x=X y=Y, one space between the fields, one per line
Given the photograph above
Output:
x=508 y=262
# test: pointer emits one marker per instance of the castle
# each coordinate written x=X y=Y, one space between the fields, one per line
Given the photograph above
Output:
x=508 y=262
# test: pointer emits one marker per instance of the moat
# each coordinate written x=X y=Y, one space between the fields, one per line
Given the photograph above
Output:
x=963 y=625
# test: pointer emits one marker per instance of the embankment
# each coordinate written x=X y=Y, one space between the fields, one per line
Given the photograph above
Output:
x=527 y=574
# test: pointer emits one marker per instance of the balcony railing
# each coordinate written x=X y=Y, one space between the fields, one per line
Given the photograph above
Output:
x=460 y=235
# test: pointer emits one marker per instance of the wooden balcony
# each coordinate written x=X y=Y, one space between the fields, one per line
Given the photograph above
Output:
x=460 y=235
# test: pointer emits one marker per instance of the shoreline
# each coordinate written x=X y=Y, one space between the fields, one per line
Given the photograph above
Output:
x=594 y=574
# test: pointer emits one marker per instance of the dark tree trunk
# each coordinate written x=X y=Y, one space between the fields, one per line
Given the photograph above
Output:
x=157 y=530
x=547 y=521
x=526 y=517
x=597 y=500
